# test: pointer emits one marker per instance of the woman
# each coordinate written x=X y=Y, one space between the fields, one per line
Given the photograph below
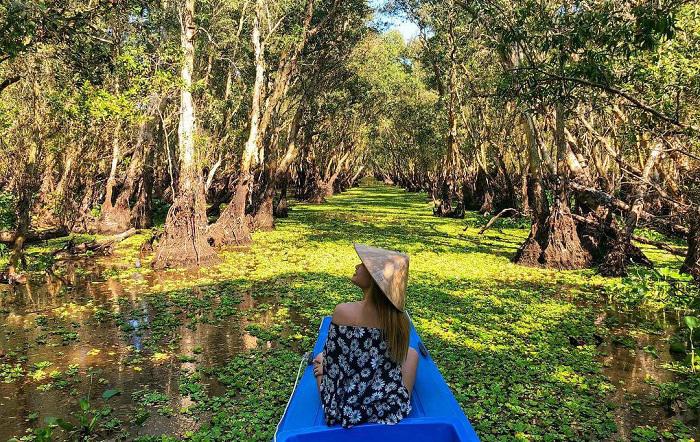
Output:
x=367 y=370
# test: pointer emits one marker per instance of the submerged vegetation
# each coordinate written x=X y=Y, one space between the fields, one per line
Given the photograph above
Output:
x=211 y=354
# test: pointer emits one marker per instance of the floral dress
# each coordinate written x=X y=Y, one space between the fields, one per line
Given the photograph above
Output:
x=360 y=382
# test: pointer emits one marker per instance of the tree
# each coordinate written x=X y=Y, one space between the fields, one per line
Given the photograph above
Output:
x=184 y=241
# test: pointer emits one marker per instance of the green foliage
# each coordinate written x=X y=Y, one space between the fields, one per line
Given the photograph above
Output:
x=11 y=372
x=500 y=333
x=7 y=211
x=654 y=290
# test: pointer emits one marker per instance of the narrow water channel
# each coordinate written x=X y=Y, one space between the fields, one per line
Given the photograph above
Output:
x=59 y=343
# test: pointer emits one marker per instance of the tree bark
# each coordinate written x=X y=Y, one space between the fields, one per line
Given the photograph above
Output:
x=112 y=179
x=615 y=261
x=451 y=161
x=322 y=188
x=131 y=206
x=25 y=187
x=232 y=226
x=184 y=242
x=691 y=265
x=562 y=249
x=264 y=212
x=530 y=251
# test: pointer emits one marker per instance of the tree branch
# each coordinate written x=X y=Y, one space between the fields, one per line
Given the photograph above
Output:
x=613 y=90
x=8 y=82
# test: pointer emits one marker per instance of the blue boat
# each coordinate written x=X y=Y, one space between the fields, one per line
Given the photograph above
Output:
x=436 y=416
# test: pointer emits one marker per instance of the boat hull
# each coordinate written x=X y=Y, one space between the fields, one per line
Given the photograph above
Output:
x=435 y=414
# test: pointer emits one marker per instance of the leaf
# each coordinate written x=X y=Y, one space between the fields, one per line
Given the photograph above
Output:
x=93 y=422
x=141 y=418
x=65 y=425
x=84 y=404
x=109 y=394
x=692 y=322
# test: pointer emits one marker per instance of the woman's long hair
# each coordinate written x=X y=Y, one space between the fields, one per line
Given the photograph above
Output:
x=393 y=322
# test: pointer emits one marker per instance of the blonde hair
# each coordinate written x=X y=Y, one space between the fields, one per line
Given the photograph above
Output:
x=393 y=322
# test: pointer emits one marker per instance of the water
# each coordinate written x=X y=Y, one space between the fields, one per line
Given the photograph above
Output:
x=51 y=322
x=633 y=367
x=49 y=326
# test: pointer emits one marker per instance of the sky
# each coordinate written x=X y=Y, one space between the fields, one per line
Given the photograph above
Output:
x=407 y=28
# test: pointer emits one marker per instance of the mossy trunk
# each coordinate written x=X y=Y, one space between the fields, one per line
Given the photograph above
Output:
x=184 y=243
x=554 y=242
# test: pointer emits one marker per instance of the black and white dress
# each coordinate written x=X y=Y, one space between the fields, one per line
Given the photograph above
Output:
x=360 y=382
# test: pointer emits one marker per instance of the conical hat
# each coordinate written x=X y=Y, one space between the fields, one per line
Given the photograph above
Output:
x=389 y=269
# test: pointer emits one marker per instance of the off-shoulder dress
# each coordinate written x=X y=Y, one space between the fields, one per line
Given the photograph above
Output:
x=360 y=382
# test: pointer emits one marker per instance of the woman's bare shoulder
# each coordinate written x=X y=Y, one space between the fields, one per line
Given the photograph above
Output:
x=351 y=313
x=345 y=313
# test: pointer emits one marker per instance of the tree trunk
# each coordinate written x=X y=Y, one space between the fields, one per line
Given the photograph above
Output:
x=451 y=161
x=25 y=186
x=142 y=212
x=562 y=248
x=232 y=226
x=21 y=233
x=265 y=210
x=323 y=188
x=530 y=251
x=281 y=209
x=131 y=206
x=112 y=179
x=557 y=239
x=691 y=265
x=484 y=188
x=184 y=242
x=508 y=198
x=263 y=217
x=615 y=261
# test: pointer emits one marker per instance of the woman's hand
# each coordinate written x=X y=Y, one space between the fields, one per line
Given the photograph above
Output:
x=318 y=365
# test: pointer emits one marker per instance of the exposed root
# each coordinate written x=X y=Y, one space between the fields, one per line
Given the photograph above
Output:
x=184 y=242
x=555 y=244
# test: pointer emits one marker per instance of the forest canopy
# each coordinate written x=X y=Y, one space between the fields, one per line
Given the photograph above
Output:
x=207 y=115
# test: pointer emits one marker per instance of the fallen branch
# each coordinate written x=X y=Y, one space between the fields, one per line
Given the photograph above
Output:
x=103 y=247
x=660 y=245
x=34 y=237
x=494 y=219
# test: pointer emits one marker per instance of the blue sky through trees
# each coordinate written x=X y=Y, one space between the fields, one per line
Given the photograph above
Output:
x=386 y=22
